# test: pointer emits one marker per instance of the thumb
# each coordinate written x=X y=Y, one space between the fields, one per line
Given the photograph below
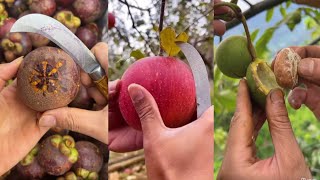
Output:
x=8 y=71
x=279 y=125
x=147 y=110
x=91 y=123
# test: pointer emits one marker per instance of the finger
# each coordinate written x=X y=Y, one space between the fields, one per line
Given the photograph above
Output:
x=125 y=139
x=312 y=99
x=147 y=109
x=309 y=69
x=97 y=96
x=113 y=88
x=297 y=97
x=279 y=124
x=8 y=71
x=86 y=80
x=308 y=51
x=241 y=128
x=91 y=123
x=219 y=27
x=259 y=118
x=100 y=51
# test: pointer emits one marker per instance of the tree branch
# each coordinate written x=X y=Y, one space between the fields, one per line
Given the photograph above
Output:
x=256 y=9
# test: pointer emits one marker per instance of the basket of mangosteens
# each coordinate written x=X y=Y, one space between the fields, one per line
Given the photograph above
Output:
x=60 y=154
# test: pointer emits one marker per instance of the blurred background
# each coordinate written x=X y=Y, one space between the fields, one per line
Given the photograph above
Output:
x=136 y=30
x=274 y=24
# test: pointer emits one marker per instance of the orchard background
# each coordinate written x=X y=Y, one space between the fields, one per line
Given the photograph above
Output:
x=137 y=30
x=274 y=24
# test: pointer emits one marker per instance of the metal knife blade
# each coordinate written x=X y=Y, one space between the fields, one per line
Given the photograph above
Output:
x=200 y=76
x=60 y=35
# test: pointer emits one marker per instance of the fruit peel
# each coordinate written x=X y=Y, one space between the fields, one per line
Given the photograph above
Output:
x=261 y=80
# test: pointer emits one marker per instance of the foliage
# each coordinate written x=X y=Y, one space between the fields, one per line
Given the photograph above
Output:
x=137 y=28
x=306 y=127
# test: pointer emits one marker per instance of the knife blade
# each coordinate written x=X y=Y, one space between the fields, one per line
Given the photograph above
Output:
x=66 y=40
x=200 y=76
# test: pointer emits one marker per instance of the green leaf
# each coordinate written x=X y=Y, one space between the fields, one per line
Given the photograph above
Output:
x=137 y=54
x=269 y=14
x=261 y=45
x=283 y=11
x=288 y=3
x=254 y=34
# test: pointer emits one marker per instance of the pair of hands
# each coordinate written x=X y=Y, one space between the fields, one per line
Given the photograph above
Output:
x=288 y=161
x=167 y=150
x=21 y=127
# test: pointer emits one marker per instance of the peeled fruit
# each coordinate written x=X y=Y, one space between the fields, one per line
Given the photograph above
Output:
x=261 y=81
x=233 y=57
x=286 y=68
x=171 y=83
x=29 y=166
x=47 y=78
x=57 y=154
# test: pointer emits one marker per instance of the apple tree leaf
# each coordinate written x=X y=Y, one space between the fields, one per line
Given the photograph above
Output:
x=137 y=54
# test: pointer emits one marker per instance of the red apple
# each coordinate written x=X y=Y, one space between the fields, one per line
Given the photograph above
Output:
x=171 y=83
x=111 y=20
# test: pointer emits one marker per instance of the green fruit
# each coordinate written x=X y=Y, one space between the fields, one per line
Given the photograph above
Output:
x=233 y=57
x=261 y=81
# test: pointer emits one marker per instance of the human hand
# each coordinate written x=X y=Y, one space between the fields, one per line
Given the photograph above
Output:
x=174 y=153
x=309 y=74
x=122 y=138
x=218 y=26
x=19 y=130
x=240 y=160
x=91 y=123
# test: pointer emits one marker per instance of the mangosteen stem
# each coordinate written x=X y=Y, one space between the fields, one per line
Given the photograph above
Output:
x=238 y=13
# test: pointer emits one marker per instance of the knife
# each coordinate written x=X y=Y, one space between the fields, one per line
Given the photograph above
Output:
x=200 y=76
x=66 y=40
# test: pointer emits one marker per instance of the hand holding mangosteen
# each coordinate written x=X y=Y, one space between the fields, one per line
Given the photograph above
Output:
x=88 y=122
x=241 y=158
x=18 y=122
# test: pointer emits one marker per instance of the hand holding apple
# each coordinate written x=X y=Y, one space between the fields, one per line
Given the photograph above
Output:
x=167 y=150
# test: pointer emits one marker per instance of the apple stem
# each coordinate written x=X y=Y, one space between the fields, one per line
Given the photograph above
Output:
x=238 y=13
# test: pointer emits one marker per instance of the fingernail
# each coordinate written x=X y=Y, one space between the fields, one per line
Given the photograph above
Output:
x=47 y=121
x=306 y=67
x=276 y=96
x=135 y=94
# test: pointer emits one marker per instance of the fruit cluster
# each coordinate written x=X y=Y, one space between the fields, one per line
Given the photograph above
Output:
x=61 y=156
x=80 y=16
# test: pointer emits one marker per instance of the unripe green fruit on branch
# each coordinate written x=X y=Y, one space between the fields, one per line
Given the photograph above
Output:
x=233 y=57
